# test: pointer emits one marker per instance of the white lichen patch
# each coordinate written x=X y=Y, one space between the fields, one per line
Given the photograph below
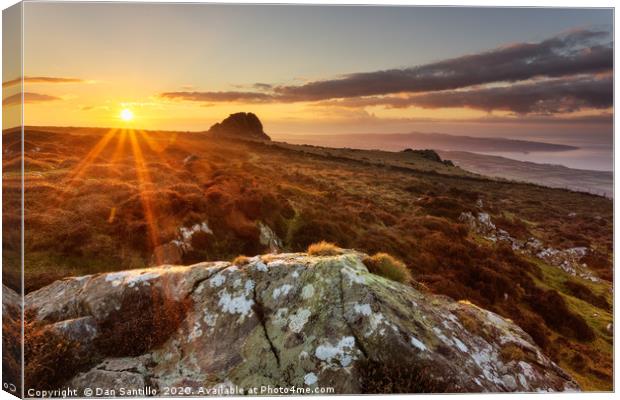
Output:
x=131 y=278
x=376 y=320
x=281 y=291
x=276 y=263
x=418 y=344
x=363 y=309
x=249 y=286
x=310 y=379
x=217 y=280
x=488 y=362
x=209 y=318
x=81 y=278
x=527 y=369
x=115 y=277
x=343 y=352
x=200 y=288
x=352 y=276
x=307 y=291
x=441 y=336
x=513 y=339
x=496 y=320
x=196 y=331
x=460 y=345
x=261 y=266
x=298 y=320
x=235 y=304
x=510 y=382
x=142 y=279
x=281 y=318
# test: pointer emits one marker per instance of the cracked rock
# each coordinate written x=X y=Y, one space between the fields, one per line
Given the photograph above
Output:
x=283 y=320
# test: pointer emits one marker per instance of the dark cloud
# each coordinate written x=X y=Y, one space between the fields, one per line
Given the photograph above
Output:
x=542 y=97
x=556 y=96
x=262 y=86
x=28 y=98
x=576 y=52
x=41 y=79
x=232 y=96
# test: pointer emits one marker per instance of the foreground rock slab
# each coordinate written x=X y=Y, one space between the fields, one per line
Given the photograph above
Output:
x=284 y=320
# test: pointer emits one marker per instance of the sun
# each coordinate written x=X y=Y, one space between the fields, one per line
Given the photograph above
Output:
x=126 y=114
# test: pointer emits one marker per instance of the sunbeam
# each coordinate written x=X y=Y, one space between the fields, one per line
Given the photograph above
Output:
x=120 y=146
x=144 y=182
x=79 y=170
x=156 y=147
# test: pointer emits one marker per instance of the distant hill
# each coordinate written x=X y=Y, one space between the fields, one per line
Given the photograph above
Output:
x=462 y=150
x=400 y=141
x=557 y=176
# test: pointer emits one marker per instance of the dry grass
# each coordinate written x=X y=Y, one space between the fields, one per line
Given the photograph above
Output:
x=324 y=248
x=511 y=352
x=388 y=267
x=267 y=258
x=386 y=377
x=240 y=261
x=50 y=358
x=11 y=346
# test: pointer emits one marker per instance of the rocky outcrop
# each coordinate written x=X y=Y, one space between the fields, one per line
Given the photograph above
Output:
x=173 y=251
x=568 y=260
x=269 y=238
x=431 y=155
x=285 y=320
x=241 y=126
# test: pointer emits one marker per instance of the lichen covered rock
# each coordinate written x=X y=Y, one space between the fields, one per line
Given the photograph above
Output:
x=290 y=319
x=568 y=260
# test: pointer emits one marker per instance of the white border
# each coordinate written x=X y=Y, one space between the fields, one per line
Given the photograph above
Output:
x=478 y=3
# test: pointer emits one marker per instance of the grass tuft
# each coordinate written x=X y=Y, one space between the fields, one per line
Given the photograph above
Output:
x=324 y=248
x=240 y=261
x=389 y=267
x=512 y=352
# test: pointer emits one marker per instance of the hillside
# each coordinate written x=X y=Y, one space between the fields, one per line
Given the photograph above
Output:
x=287 y=320
x=107 y=200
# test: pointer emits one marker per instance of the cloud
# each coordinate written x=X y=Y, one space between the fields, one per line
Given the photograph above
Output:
x=540 y=97
x=28 y=98
x=41 y=79
x=557 y=75
x=262 y=86
x=572 y=53
x=231 y=96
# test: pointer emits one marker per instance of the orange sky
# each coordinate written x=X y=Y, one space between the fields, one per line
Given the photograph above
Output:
x=185 y=67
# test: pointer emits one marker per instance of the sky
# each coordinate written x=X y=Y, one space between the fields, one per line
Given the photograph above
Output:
x=528 y=73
